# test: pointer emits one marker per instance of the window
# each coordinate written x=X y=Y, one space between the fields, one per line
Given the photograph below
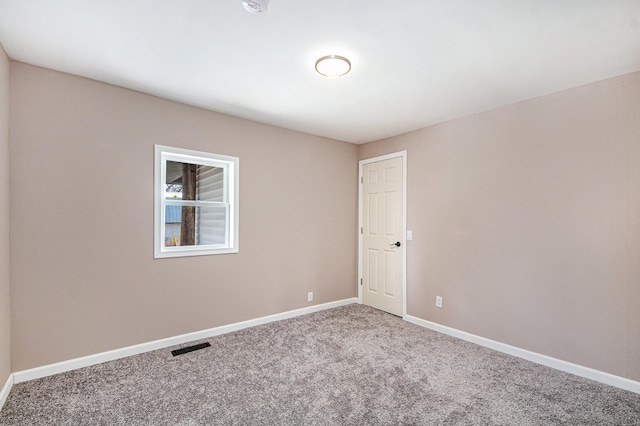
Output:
x=196 y=203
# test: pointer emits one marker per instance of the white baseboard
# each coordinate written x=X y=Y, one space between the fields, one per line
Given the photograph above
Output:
x=73 y=364
x=4 y=393
x=568 y=367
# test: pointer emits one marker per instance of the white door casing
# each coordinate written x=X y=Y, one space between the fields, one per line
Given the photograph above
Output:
x=382 y=265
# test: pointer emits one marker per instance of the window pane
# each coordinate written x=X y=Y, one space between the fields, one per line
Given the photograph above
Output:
x=173 y=184
x=211 y=225
x=195 y=226
x=187 y=181
x=210 y=183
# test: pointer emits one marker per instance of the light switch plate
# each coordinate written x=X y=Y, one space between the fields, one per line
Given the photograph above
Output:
x=409 y=235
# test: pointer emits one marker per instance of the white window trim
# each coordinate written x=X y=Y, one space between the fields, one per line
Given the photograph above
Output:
x=231 y=166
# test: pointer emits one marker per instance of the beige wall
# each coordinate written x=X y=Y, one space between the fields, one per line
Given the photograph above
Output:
x=526 y=219
x=83 y=275
x=5 y=311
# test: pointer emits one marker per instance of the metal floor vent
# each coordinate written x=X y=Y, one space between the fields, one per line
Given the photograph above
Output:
x=190 y=349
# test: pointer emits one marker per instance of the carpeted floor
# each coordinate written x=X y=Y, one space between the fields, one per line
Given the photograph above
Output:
x=352 y=365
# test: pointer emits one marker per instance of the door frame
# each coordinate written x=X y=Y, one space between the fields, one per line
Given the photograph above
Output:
x=361 y=164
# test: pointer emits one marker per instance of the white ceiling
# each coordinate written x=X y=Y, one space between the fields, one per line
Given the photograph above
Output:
x=415 y=62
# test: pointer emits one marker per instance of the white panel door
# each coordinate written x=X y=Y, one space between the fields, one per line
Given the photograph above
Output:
x=382 y=235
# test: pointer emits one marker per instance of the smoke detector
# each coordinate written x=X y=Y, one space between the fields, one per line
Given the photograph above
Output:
x=255 y=6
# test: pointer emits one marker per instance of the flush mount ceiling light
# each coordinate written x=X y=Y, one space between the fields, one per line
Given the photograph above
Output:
x=333 y=65
x=255 y=6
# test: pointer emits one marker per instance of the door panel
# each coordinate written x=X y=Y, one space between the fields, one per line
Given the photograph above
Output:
x=382 y=228
x=372 y=214
x=372 y=282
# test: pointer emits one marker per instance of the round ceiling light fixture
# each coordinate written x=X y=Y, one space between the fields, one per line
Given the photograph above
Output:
x=333 y=65
x=255 y=6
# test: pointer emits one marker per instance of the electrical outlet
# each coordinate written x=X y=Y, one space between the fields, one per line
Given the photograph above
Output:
x=438 y=301
x=310 y=296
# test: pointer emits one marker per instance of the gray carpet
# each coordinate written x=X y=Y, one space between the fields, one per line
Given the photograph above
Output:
x=351 y=365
